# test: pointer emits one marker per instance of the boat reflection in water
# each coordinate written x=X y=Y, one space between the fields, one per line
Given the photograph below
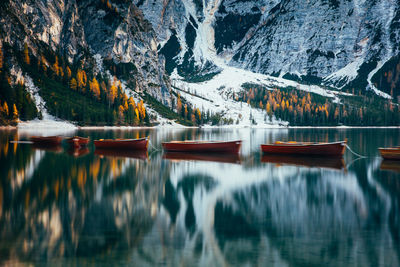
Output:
x=390 y=165
x=117 y=211
x=306 y=161
x=48 y=147
x=118 y=153
x=46 y=140
x=78 y=151
x=215 y=157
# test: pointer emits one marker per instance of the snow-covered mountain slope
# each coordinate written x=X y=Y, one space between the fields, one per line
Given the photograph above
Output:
x=331 y=42
x=217 y=94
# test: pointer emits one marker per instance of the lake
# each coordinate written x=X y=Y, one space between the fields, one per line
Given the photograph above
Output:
x=85 y=207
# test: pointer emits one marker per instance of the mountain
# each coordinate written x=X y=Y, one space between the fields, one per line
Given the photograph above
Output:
x=328 y=42
x=101 y=38
x=245 y=62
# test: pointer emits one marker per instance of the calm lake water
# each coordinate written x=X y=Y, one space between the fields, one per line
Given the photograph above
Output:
x=71 y=208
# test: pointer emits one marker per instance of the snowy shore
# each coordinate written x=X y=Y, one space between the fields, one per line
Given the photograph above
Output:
x=62 y=127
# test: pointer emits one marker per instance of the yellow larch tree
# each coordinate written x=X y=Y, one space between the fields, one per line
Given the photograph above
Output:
x=73 y=84
x=5 y=109
x=186 y=111
x=121 y=113
x=15 y=113
x=336 y=114
x=179 y=104
x=112 y=94
x=137 y=114
x=27 y=60
x=268 y=109
x=198 y=113
x=81 y=79
x=56 y=68
x=94 y=87
x=132 y=103
x=142 y=110
x=43 y=62
x=69 y=72
x=1 y=57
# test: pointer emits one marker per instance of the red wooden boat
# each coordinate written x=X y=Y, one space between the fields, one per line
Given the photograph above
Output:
x=78 y=141
x=202 y=146
x=392 y=153
x=137 y=144
x=46 y=140
x=305 y=161
x=215 y=157
x=117 y=153
x=305 y=148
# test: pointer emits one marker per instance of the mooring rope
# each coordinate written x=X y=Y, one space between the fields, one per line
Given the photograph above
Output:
x=358 y=155
x=21 y=142
x=153 y=147
x=351 y=162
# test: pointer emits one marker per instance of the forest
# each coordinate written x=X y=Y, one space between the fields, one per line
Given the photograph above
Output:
x=75 y=93
x=302 y=108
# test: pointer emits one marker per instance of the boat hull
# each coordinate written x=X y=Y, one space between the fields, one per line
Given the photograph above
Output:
x=214 y=157
x=118 y=153
x=392 y=153
x=46 y=140
x=203 y=147
x=135 y=144
x=314 y=149
x=336 y=163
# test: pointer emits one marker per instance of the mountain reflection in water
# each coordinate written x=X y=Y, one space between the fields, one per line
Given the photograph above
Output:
x=111 y=208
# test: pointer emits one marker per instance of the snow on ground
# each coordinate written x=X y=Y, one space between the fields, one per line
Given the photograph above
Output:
x=350 y=71
x=161 y=121
x=99 y=63
x=216 y=94
x=346 y=74
x=37 y=99
x=49 y=122
x=372 y=86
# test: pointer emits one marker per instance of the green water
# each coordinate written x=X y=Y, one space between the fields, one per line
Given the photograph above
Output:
x=71 y=208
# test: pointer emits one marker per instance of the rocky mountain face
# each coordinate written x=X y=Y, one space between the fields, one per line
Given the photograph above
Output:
x=347 y=45
x=340 y=43
x=99 y=35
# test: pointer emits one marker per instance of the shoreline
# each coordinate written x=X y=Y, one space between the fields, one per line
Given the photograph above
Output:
x=96 y=128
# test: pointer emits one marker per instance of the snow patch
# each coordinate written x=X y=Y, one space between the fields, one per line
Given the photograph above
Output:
x=48 y=121
x=37 y=99
x=99 y=63
x=371 y=86
x=346 y=74
x=48 y=126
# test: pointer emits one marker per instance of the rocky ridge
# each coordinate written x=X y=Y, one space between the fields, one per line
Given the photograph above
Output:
x=334 y=43
x=94 y=34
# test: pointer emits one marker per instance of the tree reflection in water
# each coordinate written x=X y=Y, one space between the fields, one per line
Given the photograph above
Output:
x=69 y=207
x=109 y=208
